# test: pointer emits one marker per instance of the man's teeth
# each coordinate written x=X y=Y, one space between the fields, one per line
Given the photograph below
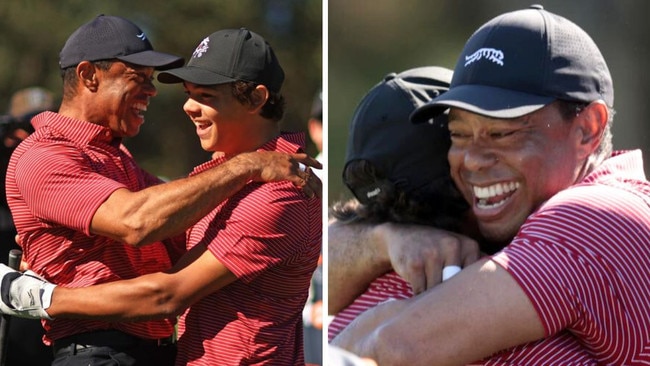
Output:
x=486 y=195
x=141 y=107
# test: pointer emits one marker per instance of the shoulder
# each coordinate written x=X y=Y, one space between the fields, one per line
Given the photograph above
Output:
x=594 y=207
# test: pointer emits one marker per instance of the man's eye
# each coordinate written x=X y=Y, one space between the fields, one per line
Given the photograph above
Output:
x=459 y=135
x=501 y=134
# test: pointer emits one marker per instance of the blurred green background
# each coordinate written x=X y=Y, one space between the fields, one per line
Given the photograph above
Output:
x=368 y=39
x=32 y=32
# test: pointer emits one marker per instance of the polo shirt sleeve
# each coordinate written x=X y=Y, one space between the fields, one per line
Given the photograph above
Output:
x=259 y=228
x=579 y=259
x=60 y=187
x=549 y=274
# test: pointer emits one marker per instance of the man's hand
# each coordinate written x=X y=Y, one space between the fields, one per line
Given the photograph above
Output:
x=25 y=295
x=361 y=252
x=274 y=166
x=419 y=253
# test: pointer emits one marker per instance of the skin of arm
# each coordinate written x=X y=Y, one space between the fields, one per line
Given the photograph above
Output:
x=199 y=272
x=478 y=312
x=360 y=252
x=165 y=210
x=156 y=295
x=354 y=260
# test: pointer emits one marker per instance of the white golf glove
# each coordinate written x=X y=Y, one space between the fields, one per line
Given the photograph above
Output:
x=25 y=295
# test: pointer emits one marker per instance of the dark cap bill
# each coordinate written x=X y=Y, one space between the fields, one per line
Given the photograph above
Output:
x=485 y=100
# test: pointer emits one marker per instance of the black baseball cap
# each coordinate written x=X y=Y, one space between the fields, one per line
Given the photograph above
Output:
x=230 y=55
x=521 y=61
x=110 y=37
x=409 y=155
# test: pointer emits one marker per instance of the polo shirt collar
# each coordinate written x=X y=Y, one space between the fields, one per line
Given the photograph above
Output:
x=75 y=129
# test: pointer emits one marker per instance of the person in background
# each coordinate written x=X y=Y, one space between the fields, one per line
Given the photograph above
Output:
x=312 y=314
x=87 y=213
x=250 y=260
x=25 y=346
x=315 y=126
x=15 y=126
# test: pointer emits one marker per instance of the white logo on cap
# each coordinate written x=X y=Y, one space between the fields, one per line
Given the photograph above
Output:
x=201 y=48
x=373 y=193
x=142 y=36
x=491 y=54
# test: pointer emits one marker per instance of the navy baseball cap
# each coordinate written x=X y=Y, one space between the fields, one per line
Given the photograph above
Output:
x=110 y=37
x=408 y=155
x=521 y=61
x=230 y=55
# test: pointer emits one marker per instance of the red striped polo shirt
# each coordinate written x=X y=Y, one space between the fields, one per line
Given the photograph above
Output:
x=56 y=180
x=561 y=349
x=583 y=260
x=388 y=287
x=269 y=236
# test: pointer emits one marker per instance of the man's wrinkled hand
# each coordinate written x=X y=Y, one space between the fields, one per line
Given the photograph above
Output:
x=419 y=253
x=24 y=295
x=275 y=166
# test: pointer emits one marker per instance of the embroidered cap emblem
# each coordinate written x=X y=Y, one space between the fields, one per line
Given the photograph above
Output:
x=201 y=48
x=142 y=36
x=491 y=54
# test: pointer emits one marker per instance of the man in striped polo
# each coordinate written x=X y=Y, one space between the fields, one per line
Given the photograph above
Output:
x=87 y=214
x=530 y=111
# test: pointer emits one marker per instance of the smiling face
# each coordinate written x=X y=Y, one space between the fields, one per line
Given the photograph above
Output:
x=123 y=94
x=506 y=168
x=223 y=123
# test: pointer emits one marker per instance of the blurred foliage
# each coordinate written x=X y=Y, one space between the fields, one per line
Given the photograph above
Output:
x=366 y=42
x=34 y=31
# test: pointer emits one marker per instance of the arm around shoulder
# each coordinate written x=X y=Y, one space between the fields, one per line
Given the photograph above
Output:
x=158 y=212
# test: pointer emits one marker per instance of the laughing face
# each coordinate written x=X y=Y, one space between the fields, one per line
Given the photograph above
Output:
x=125 y=95
x=506 y=168
x=223 y=124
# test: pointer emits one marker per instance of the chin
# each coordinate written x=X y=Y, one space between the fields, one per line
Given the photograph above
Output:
x=498 y=233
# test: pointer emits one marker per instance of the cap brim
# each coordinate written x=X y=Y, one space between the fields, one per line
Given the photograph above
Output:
x=193 y=75
x=485 y=100
x=158 y=60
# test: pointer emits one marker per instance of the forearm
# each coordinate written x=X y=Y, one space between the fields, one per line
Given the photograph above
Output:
x=356 y=256
x=480 y=311
x=165 y=210
x=158 y=295
x=146 y=297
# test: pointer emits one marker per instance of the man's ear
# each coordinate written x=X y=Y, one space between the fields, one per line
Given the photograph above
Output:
x=259 y=96
x=592 y=123
x=87 y=74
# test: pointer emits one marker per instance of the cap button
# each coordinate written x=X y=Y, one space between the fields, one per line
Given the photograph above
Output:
x=390 y=76
x=537 y=6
